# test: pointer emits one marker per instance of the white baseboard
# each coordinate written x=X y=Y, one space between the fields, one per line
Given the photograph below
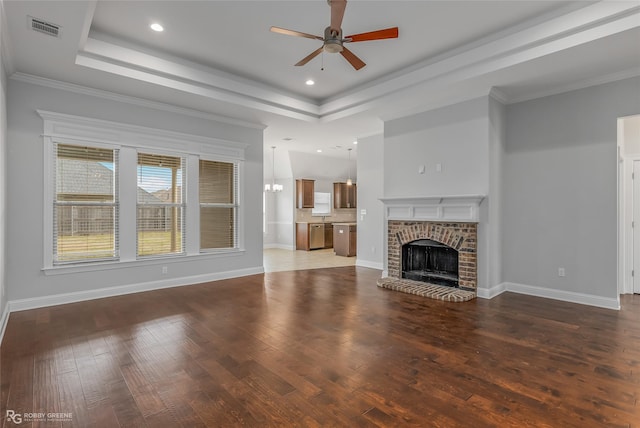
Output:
x=368 y=264
x=490 y=293
x=61 y=299
x=566 y=296
x=4 y=318
x=279 y=246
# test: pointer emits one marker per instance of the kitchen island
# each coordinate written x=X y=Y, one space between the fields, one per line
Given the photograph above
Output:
x=345 y=239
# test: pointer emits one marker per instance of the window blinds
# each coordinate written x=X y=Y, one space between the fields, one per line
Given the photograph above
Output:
x=218 y=192
x=85 y=204
x=160 y=210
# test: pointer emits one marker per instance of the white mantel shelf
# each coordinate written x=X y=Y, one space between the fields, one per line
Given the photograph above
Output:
x=459 y=208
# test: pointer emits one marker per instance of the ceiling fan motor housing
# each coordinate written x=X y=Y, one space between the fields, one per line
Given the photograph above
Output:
x=332 y=40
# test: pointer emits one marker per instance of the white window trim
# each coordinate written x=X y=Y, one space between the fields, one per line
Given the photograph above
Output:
x=71 y=129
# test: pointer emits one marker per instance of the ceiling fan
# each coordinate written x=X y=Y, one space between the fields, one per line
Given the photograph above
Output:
x=333 y=42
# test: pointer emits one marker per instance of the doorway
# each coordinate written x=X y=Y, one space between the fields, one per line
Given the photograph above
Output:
x=629 y=205
x=635 y=226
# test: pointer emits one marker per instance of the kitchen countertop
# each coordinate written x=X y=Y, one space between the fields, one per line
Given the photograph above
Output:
x=345 y=224
x=319 y=222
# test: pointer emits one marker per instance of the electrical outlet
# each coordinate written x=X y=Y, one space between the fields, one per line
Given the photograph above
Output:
x=561 y=271
x=164 y=270
x=373 y=249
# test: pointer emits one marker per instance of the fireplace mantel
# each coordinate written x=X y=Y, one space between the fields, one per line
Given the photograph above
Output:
x=459 y=208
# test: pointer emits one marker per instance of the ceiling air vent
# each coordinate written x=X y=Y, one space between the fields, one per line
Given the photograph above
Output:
x=44 y=27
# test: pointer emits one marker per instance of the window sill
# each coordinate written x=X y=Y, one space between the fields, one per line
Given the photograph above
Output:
x=108 y=265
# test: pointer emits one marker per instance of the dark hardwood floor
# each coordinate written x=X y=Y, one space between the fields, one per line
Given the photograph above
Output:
x=322 y=347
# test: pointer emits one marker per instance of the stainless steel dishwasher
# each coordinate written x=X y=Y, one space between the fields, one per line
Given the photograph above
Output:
x=316 y=236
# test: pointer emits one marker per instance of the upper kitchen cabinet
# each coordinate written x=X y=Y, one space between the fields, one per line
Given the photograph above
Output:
x=344 y=196
x=304 y=193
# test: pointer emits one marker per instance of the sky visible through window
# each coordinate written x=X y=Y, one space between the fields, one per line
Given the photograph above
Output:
x=154 y=178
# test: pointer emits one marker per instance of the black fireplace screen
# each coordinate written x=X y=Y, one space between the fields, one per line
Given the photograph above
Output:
x=430 y=261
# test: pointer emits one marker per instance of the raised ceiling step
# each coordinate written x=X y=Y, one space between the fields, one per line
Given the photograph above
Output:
x=432 y=291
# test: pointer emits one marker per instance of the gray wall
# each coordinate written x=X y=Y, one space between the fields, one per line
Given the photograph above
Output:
x=560 y=188
x=467 y=140
x=371 y=226
x=455 y=136
x=280 y=216
x=3 y=177
x=320 y=167
x=25 y=278
x=493 y=204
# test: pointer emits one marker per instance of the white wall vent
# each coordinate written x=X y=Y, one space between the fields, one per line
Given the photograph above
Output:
x=44 y=27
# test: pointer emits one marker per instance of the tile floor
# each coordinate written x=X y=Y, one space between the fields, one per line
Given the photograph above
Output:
x=277 y=260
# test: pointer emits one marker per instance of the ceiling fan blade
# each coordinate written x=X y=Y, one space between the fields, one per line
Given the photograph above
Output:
x=387 y=33
x=294 y=33
x=309 y=57
x=356 y=62
x=337 y=13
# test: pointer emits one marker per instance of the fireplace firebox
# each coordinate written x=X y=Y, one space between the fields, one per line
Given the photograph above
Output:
x=430 y=261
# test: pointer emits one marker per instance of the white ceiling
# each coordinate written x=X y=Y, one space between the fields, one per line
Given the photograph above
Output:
x=219 y=57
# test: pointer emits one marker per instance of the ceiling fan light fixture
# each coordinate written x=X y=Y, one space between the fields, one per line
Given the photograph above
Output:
x=331 y=46
x=332 y=41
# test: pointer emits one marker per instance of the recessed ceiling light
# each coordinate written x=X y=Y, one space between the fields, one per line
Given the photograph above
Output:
x=156 y=27
x=355 y=142
x=310 y=82
x=287 y=139
x=319 y=150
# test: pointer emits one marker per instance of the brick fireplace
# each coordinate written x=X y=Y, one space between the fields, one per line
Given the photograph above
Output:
x=462 y=237
x=448 y=224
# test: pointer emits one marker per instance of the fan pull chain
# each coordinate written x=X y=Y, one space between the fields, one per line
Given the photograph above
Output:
x=322 y=59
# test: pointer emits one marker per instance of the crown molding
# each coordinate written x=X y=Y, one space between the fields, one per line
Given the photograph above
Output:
x=498 y=95
x=613 y=77
x=141 y=102
x=114 y=56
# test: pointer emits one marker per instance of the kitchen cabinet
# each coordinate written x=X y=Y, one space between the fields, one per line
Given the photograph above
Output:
x=345 y=239
x=312 y=236
x=328 y=235
x=304 y=193
x=344 y=196
x=302 y=236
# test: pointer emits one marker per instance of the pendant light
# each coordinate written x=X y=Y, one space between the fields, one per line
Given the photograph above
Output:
x=349 y=182
x=273 y=187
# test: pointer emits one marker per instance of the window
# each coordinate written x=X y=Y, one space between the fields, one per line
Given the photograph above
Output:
x=119 y=193
x=85 y=209
x=160 y=209
x=218 y=192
